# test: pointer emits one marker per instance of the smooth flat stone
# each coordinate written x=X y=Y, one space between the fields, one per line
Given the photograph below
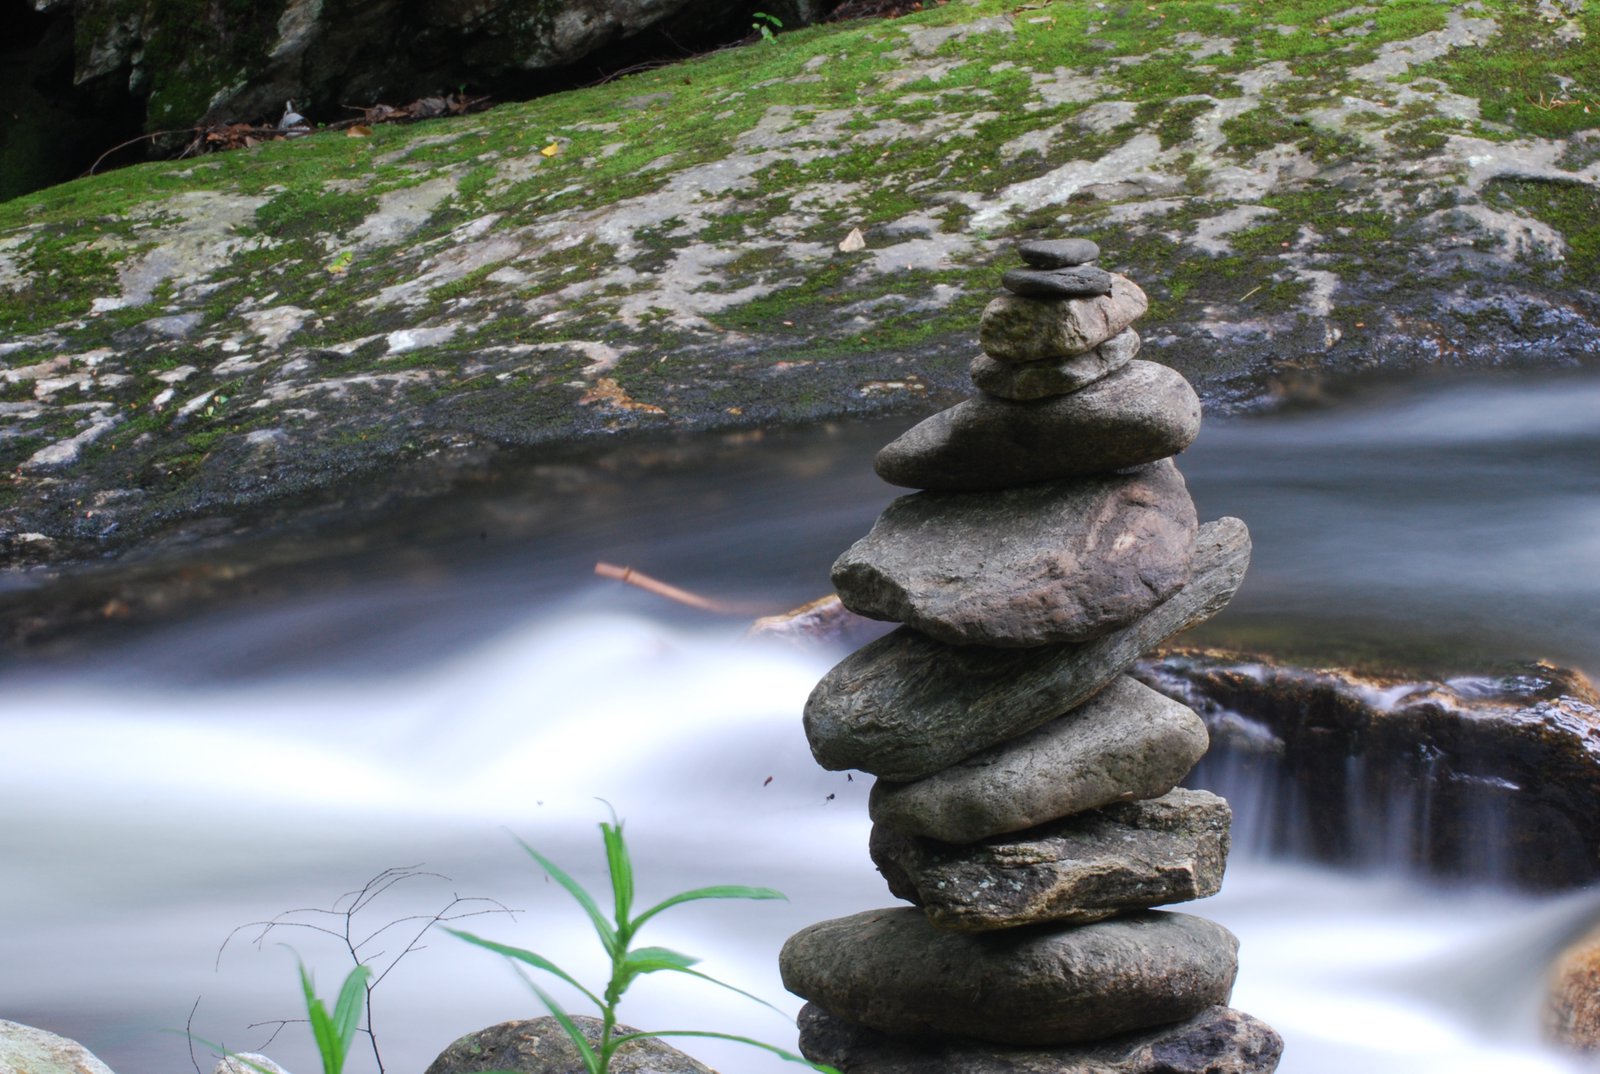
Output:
x=1142 y=412
x=1042 y=564
x=905 y=706
x=1075 y=870
x=1018 y=329
x=891 y=971
x=1080 y=281
x=1053 y=376
x=1218 y=1040
x=1058 y=253
x=1126 y=743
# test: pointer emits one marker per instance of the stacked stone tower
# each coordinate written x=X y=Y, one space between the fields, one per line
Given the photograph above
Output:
x=1025 y=800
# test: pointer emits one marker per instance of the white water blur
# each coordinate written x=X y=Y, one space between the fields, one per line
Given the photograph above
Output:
x=144 y=826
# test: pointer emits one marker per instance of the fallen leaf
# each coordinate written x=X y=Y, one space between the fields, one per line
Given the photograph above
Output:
x=550 y=150
x=853 y=241
x=360 y=130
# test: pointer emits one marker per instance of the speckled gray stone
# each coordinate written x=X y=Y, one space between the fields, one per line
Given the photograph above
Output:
x=1018 y=329
x=1140 y=413
x=26 y=1049
x=541 y=1046
x=1080 y=281
x=1054 y=376
x=905 y=706
x=1082 y=868
x=1042 y=564
x=892 y=971
x=1058 y=253
x=1127 y=742
x=1218 y=1040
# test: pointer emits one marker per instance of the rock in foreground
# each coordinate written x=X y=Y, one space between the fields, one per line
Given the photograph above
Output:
x=27 y=1050
x=541 y=1046
x=1218 y=1040
x=892 y=971
x=1044 y=564
x=1075 y=870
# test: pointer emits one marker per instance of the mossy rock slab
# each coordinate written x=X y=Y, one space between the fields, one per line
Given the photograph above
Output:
x=1330 y=190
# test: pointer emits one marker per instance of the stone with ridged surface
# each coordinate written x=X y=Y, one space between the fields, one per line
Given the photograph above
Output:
x=1018 y=329
x=1078 y=281
x=1125 y=743
x=892 y=971
x=905 y=706
x=1043 y=564
x=1218 y=1040
x=1053 y=376
x=1140 y=413
x=1075 y=870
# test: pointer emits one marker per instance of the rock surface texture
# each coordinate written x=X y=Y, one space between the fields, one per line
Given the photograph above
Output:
x=29 y=1050
x=541 y=1046
x=1026 y=802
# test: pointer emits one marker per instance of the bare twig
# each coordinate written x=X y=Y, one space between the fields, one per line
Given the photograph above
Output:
x=682 y=596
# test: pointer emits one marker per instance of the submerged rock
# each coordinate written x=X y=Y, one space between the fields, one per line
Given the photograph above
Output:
x=1218 y=1040
x=1043 y=564
x=892 y=971
x=905 y=706
x=1138 y=414
x=541 y=1046
x=1074 y=870
x=25 y=1049
x=1127 y=742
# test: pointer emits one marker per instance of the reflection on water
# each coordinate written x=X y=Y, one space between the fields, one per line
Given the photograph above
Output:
x=505 y=689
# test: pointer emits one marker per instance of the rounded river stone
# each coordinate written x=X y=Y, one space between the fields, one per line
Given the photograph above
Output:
x=1218 y=1040
x=1058 y=253
x=1142 y=412
x=905 y=706
x=1128 y=742
x=1076 y=282
x=1054 y=376
x=1082 y=868
x=541 y=1046
x=1018 y=329
x=892 y=971
x=1037 y=565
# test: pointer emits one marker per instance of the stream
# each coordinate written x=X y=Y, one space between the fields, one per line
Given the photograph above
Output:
x=466 y=681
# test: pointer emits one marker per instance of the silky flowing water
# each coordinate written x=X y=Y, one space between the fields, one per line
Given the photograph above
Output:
x=158 y=791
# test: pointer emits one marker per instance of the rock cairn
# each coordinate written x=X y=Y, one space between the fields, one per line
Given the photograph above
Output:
x=1025 y=801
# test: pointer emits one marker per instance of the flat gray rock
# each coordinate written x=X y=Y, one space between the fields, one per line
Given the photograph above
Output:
x=1125 y=743
x=1142 y=412
x=904 y=706
x=1075 y=870
x=1218 y=1040
x=541 y=1046
x=1038 y=565
x=1079 y=281
x=1018 y=329
x=891 y=971
x=1058 y=253
x=1053 y=376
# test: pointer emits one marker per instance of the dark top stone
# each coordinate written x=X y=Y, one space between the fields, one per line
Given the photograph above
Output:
x=1072 y=282
x=1058 y=253
x=1140 y=413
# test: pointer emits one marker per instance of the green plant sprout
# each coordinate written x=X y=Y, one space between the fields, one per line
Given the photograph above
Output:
x=627 y=962
x=764 y=24
x=336 y=1032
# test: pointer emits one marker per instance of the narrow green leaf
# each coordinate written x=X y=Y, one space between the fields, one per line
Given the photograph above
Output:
x=608 y=935
x=621 y=869
x=322 y=1030
x=720 y=891
x=724 y=984
x=536 y=961
x=347 y=1009
x=774 y=1049
x=651 y=959
x=591 y=1059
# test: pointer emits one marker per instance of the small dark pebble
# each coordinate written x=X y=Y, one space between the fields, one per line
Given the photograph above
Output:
x=1058 y=253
